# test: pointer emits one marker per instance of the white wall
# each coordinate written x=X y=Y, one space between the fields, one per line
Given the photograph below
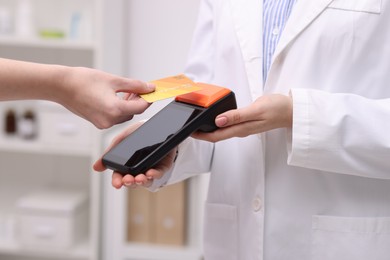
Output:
x=157 y=38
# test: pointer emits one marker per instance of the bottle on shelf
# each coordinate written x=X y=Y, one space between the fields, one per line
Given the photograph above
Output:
x=10 y=122
x=24 y=19
x=5 y=21
x=27 y=125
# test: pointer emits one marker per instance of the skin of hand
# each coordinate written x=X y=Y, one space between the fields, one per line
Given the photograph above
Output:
x=88 y=93
x=266 y=113
x=144 y=179
x=92 y=95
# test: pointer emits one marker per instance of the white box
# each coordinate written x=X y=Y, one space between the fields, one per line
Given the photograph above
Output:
x=62 y=128
x=51 y=219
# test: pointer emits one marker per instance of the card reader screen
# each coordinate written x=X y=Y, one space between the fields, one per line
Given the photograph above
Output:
x=152 y=133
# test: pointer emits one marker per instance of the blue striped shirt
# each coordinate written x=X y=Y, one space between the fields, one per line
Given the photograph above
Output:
x=275 y=15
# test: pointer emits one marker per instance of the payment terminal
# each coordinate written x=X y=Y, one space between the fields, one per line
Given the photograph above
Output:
x=146 y=146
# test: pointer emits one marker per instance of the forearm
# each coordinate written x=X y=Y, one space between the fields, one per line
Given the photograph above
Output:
x=26 y=80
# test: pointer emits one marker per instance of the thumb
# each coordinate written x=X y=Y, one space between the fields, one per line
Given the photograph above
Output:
x=136 y=86
x=228 y=118
x=99 y=166
x=233 y=117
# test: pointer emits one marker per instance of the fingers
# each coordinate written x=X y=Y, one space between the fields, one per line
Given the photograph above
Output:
x=129 y=181
x=130 y=105
x=135 y=105
x=117 y=180
x=146 y=179
x=230 y=123
x=233 y=117
x=239 y=130
x=210 y=137
x=217 y=135
x=99 y=166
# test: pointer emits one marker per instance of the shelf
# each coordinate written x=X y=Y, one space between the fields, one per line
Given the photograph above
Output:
x=37 y=147
x=47 y=43
x=59 y=132
x=149 y=252
x=13 y=248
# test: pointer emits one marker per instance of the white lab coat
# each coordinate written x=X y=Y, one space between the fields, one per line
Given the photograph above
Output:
x=321 y=191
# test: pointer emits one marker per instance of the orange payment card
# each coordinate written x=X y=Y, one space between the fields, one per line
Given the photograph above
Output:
x=171 y=87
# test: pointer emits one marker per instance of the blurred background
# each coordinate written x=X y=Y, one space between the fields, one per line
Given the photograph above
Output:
x=52 y=204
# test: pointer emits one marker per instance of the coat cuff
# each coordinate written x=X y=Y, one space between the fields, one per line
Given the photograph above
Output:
x=298 y=139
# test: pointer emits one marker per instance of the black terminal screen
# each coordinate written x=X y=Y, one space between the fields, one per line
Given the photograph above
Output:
x=146 y=139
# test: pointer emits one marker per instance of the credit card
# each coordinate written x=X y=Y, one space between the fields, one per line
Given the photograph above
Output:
x=171 y=87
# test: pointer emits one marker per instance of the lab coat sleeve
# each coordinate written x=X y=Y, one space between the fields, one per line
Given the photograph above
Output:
x=194 y=157
x=341 y=133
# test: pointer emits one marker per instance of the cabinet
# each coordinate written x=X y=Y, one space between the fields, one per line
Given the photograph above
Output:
x=68 y=32
x=54 y=159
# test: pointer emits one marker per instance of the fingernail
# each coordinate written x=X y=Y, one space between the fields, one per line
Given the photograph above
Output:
x=150 y=86
x=149 y=177
x=221 y=121
x=128 y=184
x=139 y=183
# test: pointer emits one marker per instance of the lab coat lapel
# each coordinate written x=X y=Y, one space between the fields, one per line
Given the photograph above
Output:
x=247 y=18
x=304 y=13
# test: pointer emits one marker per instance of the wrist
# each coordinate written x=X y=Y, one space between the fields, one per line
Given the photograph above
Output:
x=60 y=87
x=289 y=109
